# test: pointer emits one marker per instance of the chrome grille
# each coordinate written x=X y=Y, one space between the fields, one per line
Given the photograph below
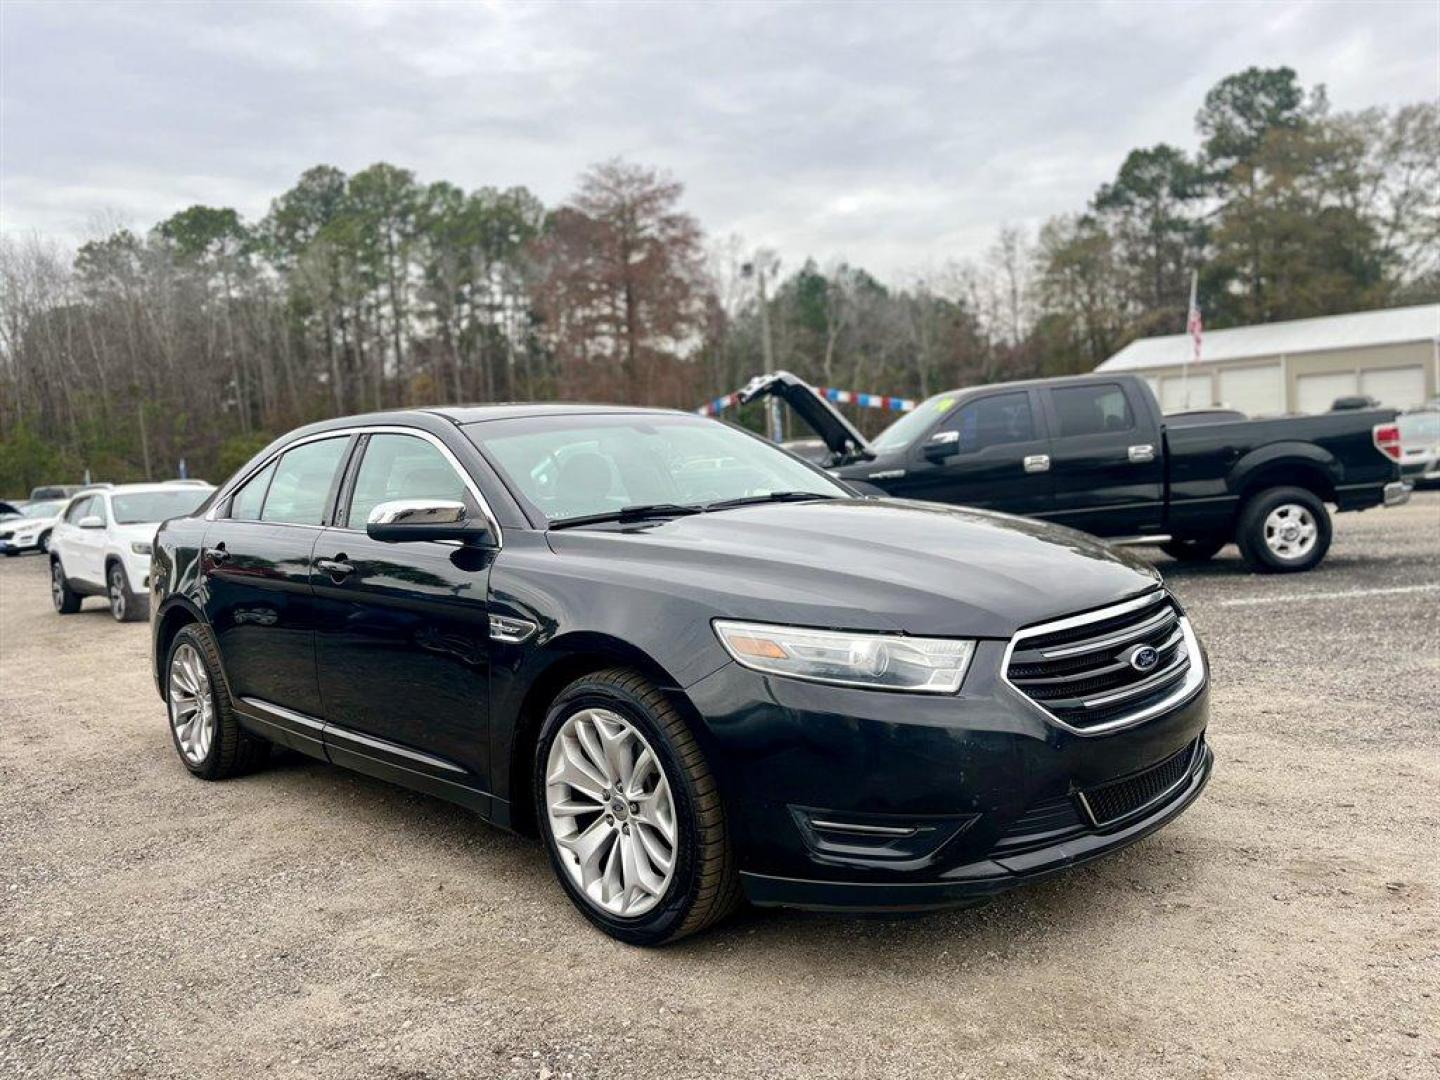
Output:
x=1079 y=670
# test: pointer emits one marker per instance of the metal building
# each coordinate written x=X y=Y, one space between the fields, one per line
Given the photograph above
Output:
x=1298 y=366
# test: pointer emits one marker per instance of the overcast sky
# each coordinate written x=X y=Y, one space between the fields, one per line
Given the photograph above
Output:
x=896 y=136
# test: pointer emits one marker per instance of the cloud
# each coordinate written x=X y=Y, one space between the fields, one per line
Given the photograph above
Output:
x=893 y=136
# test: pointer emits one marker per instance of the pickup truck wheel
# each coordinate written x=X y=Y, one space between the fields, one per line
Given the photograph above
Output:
x=65 y=599
x=207 y=736
x=1192 y=551
x=1283 y=530
x=630 y=813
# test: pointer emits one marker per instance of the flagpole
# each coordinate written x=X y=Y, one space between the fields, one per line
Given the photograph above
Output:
x=1189 y=326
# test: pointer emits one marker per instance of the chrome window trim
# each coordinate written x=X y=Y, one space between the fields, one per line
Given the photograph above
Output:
x=233 y=485
x=1193 y=681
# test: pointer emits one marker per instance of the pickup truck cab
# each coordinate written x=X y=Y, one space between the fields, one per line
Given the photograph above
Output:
x=1095 y=453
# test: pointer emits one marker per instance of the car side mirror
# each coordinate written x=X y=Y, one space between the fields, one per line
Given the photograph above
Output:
x=402 y=520
x=91 y=521
x=942 y=444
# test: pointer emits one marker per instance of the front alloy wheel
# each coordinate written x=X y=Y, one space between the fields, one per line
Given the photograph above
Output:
x=630 y=812
x=118 y=605
x=611 y=812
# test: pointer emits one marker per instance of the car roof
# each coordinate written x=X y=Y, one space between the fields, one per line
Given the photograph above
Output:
x=460 y=415
x=128 y=489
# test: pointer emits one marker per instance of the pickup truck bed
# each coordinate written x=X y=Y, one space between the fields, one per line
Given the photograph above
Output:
x=1095 y=453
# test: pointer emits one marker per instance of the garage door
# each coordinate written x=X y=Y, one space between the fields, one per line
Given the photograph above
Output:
x=1255 y=391
x=1315 y=393
x=1172 y=392
x=1397 y=388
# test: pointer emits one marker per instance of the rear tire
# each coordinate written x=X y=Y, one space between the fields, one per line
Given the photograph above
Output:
x=207 y=736
x=1193 y=550
x=622 y=713
x=1283 y=530
x=65 y=599
x=125 y=606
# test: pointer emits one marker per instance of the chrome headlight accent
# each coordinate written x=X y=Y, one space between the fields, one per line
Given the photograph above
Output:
x=874 y=661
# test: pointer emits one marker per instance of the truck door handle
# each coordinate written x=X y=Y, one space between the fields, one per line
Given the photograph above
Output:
x=1142 y=454
x=1037 y=463
x=337 y=567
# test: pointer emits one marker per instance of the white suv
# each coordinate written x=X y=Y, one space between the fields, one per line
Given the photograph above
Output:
x=100 y=546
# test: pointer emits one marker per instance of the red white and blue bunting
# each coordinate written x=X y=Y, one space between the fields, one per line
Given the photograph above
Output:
x=839 y=397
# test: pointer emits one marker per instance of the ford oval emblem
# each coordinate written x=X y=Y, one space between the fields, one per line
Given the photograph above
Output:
x=1143 y=658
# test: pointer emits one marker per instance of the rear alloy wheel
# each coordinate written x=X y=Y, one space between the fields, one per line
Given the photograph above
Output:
x=65 y=599
x=124 y=605
x=629 y=811
x=1283 y=530
x=206 y=734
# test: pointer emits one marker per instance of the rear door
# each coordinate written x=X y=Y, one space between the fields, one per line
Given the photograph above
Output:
x=403 y=636
x=991 y=451
x=256 y=562
x=73 y=544
x=1106 y=459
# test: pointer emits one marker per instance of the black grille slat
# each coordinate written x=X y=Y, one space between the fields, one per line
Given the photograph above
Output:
x=1119 y=799
x=1044 y=823
x=1101 y=667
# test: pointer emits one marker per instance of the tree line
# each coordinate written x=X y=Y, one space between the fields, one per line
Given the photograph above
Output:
x=208 y=334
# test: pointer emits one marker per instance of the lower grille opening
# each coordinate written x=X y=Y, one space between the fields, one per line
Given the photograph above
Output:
x=1119 y=799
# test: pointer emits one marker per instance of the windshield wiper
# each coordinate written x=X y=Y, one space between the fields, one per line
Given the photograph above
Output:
x=772 y=497
x=643 y=512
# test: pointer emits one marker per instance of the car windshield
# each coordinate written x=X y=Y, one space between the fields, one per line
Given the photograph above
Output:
x=146 y=506
x=43 y=509
x=908 y=428
x=581 y=465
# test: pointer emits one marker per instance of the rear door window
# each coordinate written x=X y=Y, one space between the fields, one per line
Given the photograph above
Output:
x=246 y=502
x=1092 y=410
x=301 y=486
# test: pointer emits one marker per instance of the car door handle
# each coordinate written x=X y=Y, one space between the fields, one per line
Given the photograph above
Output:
x=336 y=567
x=1142 y=454
x=1037 y=463
x=217 y=554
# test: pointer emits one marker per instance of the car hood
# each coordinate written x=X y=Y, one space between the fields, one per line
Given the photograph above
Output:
x=863 y=564
x=26 y=522
x=140 y=530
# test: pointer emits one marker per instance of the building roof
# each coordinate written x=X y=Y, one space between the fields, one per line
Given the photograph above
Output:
x=1391 y=326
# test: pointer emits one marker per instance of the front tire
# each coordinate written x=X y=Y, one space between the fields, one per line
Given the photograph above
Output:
x=65 y=599
x=207 y=736
x=1193 y=551
x=630 y=813
x=1283 y=530
x=125 y=606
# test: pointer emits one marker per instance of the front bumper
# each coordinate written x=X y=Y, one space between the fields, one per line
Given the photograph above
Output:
x=938 y=800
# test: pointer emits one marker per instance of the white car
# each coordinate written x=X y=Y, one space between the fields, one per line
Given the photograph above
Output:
x=101 y=544
x=32 y=530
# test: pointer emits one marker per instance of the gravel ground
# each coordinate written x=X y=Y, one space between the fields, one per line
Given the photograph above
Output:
x=310 y=922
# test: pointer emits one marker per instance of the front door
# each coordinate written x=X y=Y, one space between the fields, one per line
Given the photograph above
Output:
x=989 y=452
x=258 y=599
x=403 y=638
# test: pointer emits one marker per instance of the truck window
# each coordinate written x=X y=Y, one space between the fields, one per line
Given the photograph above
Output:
x=1092 y=410
x=991 y=421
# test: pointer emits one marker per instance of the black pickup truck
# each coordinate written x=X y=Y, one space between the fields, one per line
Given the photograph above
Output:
x=1094 y=452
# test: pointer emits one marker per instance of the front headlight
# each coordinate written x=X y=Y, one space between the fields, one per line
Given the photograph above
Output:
x=140 y=547
x=878 y=661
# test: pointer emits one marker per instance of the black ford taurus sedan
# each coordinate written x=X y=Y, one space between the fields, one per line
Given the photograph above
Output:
x=700 y=668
